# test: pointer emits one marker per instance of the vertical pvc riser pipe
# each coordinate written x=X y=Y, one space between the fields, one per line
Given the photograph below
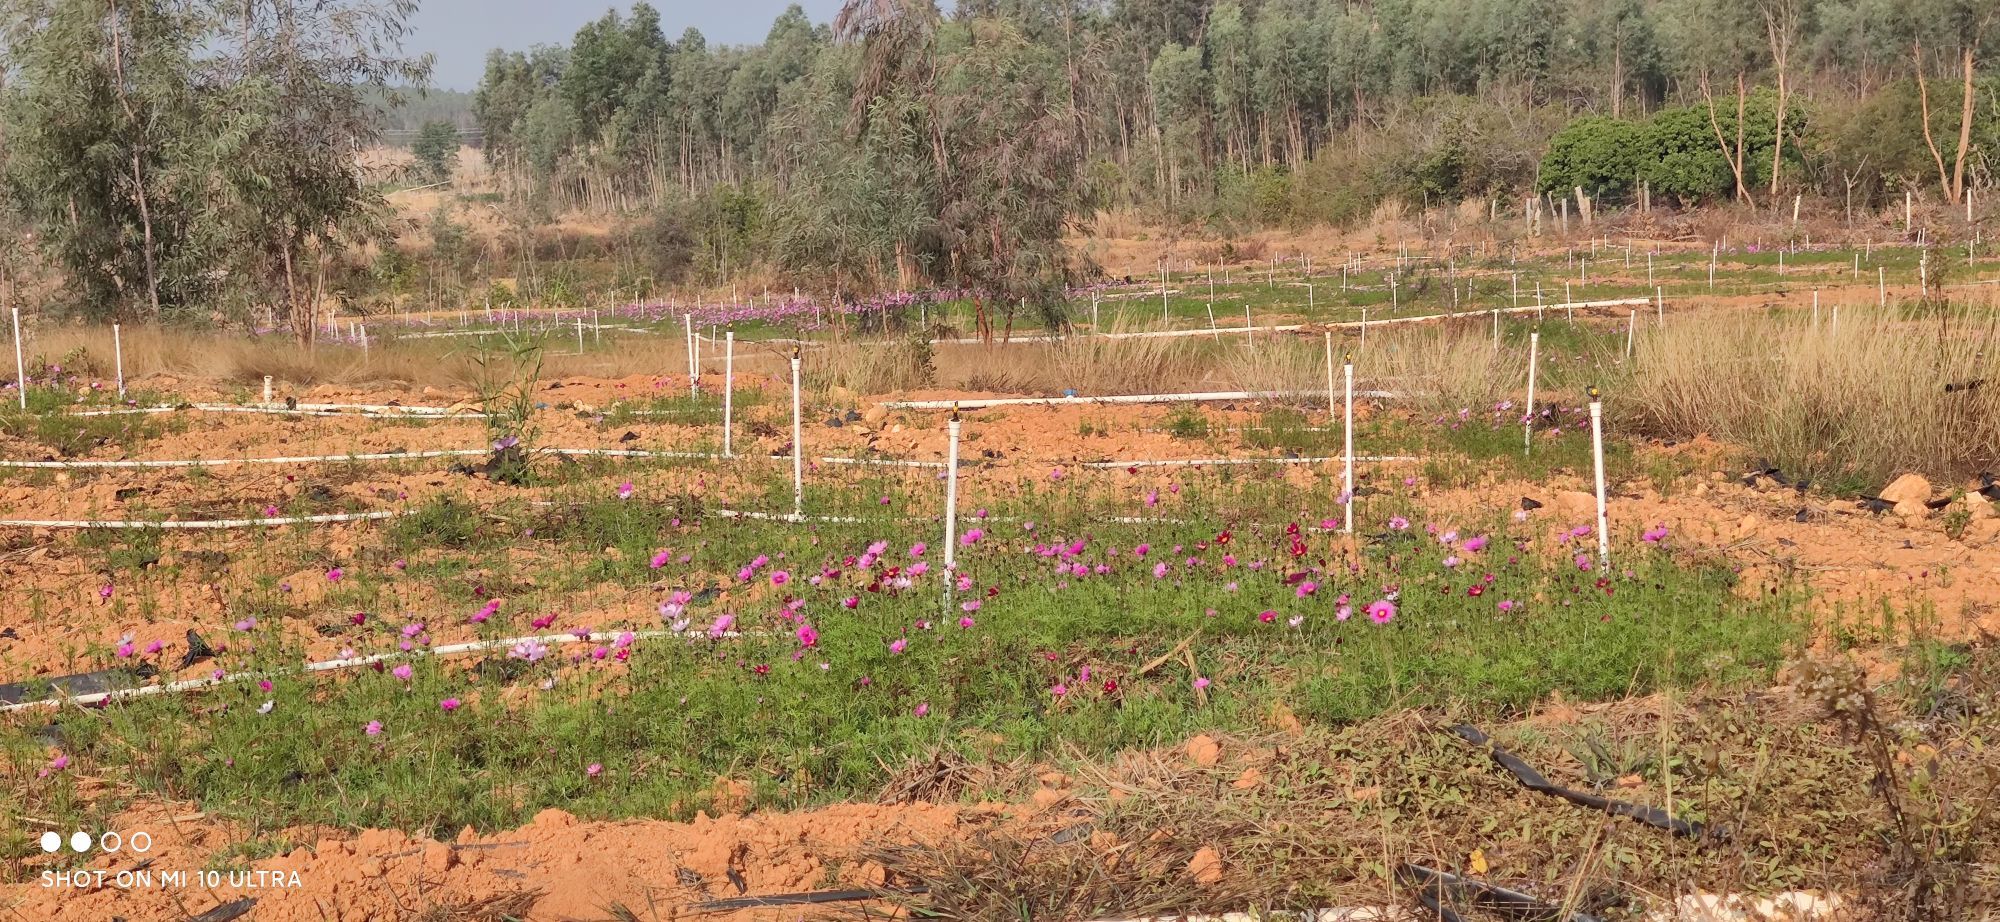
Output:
x=118 y=357
x=1347 y=462
x=579 y=336
x=1597 y=457
x=728 y=387
x=951 y=496
x=694 y=383
x=20 y=364
x=1631 y=324
x=1881 y=286
x=1660 y=304
x=798 y=446
x=1528 y=417
x=267 y=390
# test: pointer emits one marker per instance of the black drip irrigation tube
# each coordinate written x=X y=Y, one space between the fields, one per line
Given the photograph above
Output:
x=1534 y=781
x=1444 y=893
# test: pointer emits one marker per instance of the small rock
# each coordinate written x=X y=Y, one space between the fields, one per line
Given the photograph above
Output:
x=1204 y=751
x=1206 y=866
x=1250 y=778
x=439 y=858
x=1980 y=507
x=1909 y=492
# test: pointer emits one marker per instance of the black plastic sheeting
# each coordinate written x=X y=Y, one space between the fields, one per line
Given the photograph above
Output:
x=1444 y=893
x=227 y=912
x=101 y=681
x=82 y=683
x=812 y=898
x=1533 y=781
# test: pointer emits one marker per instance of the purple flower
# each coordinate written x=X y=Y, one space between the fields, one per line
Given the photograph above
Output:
x=373 y=728
x=1381 y=611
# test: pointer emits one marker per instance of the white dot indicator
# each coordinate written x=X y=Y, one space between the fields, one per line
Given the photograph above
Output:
x=51 y=841
x=79 y=842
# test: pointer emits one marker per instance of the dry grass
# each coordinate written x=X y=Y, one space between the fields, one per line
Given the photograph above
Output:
x=870 y=367
x=1858 y=403
x=1086 y=364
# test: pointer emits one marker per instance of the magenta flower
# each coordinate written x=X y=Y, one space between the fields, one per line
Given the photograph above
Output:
x=1398 y=523
x=899 y=645
x=1583 y=562
x=1160 y=570
x=917 y=549
x=104 y=591
x=1201 y=682
x=965 y=622
x=780 y=577
x=374 y=728
x=1267 y=616
x=334 y=575
x=808 y=636
x=1381 y=611
x=1656 y=534
x=593 y=770
x=1509 y=604
x=625 y=490
x=922 y=710
x=124 y=649
x=660 y=559
x=971 y=537
x=403 y=672
x=721 y=625
x=1343 y=612
x=1305 y=589
x=1474 y=545
x=449 y=705
x=155 y=647
x=851 y=602
x=531 y=650
x=1060 y=690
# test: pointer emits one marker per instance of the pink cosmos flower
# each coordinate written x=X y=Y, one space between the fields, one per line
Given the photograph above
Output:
x=449 y=705
x=1060 y=690
x=721 y=625
x=1381 y=611
x=373 y=728
x=1474 y=545
x=403 y=672
x=922 y=710
x=660 y=559
x=807 y=635
x=917 y=549
x=965 y=622
x=1398 y=523
x=780 y=577
x=899 y=645
x=1201 y=682
x=531 y=650
x=155 y=647
x=1508 y=605
x=971 y=537
x=1267 y=616
x=1583 y=562
x=625 y=490
x=104 y=591
x=593 y=770
x=1656 y=534
x=334 y=575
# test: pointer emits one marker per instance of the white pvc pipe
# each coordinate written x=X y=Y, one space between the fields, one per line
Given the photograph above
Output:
x=798 y=447
x=200 y=524
x=1218 y=462
x=728 y=387
x=1631 y=323
x=1347 y=437
x=694 y=382
x=1198 y=397
x=267 y=390
x=118 y=357
x=1597 y=456
x=579 y=334
x=335 y=665
x=20 y=364
x=951 y=495
x=1528 y=428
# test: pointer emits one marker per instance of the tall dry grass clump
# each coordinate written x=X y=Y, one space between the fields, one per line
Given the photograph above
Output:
x=1849 y=405
x=870 y=366
x=1442 y=369
x=1089 y=365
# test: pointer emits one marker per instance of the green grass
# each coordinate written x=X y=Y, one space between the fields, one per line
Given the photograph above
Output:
x=809 y=725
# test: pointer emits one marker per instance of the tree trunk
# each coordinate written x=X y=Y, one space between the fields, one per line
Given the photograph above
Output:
x=1964 y=132
x=1924 y=111
x=138 y=174
x=1715 y=123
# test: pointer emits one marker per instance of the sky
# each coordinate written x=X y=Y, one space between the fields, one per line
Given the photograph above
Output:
x=460 y=32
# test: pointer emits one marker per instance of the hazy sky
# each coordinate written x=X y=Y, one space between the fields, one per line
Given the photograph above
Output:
x=460 y=32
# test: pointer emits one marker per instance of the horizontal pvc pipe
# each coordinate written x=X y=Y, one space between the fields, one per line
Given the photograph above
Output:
x=203 y=523
x=303 y=410
x=975 y=404
x=336 y=665
x=883 y=462
x=783 y=516
x=1205 y=462
x=336 y=459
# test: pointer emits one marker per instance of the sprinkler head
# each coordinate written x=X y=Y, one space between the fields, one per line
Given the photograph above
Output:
x=1594 y=393
x=954 y=411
